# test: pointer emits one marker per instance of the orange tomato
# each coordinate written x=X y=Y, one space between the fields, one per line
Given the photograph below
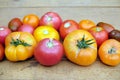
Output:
x=109 y=52
x=86 y=24
x=31 y=19
x=80 y=47
x=67 y=27
x=43 y=32
x=19 y=46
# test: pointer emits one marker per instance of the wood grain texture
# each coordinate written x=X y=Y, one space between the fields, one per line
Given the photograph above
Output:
x=65 y=70
x=109 y=15
x=59 y=3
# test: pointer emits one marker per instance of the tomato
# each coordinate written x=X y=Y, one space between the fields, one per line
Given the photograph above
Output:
x=99 y=34
x=14 y=24
x=80 y=47
x=1 y=52
x=106 y=26
x=19 y=46
x=49 y=52
x=114 y=34
x=4 y=31
x=109 y=52
x=26 y=28
x=51 y=19
x=68 y=26
x=43 y=32
x=86 y=24
x=31 y=19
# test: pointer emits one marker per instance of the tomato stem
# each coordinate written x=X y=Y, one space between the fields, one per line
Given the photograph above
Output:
x=112 y=50
x=50 y=43
x=84 y=43
x=19 y=42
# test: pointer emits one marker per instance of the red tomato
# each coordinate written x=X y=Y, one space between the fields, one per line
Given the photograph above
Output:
x=99 y=34
x=51 y=19
x=1 y=52
x=67 y=27
x=49 y=52
x=4 y=31
x=14 y=24
x=26 y=28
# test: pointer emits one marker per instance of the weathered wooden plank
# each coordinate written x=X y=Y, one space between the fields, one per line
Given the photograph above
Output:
x=109 y=15
x=65 y=70
x=57 y=3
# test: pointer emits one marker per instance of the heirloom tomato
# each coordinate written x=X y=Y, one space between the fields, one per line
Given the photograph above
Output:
x=14 y=24
x=51 y=19
x=109 y=52
x=49 y=52
x=68 y=26
x=42 y=32
x=19 y=46
x=4 y=31
x=80 y=47
x=86 y=24
x=99 y=34
x=31 y=19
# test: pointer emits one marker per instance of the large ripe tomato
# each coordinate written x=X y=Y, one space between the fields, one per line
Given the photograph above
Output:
x=86 y=24
x=19 y=46
x=14 y=24
x=1 y=52
x=4 y=31
x=43 y=32
x=49 y=52
x=68 y=26
x=109 y=52
x=31 y=19
x=51 y=19
x=80 y=47
x=99 y=34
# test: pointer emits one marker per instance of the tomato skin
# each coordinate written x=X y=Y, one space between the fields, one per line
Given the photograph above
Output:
x=86 y=24
x=68 y=26
x=43 y=32
x=49 y=52
x=4 y=31
x=14 y=24
x=31 y=19
x=82 y=56
x=1 y=52
x=26 y=28
x=19 y=52
x=99 y=34
x=109 y=52
x=51 y=19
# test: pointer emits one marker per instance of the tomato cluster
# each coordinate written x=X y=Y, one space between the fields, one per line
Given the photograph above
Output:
x=49 y=38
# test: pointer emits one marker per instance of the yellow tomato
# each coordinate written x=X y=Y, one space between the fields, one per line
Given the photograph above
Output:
x=80 y=47
x=43 y=32
x=19 y=46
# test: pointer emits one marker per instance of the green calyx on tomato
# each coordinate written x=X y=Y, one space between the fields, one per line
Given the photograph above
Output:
x=50 y=43
x=19 y=42
x=84 y=43
x=112 y=50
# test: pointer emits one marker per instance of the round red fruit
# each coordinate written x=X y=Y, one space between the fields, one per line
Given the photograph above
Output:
x=4 y=31
x=99 y=34
x=49 y=52
x=51 y=19
x=67 y=27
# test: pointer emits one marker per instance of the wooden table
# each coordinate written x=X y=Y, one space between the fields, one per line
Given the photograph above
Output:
x=96 y=10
